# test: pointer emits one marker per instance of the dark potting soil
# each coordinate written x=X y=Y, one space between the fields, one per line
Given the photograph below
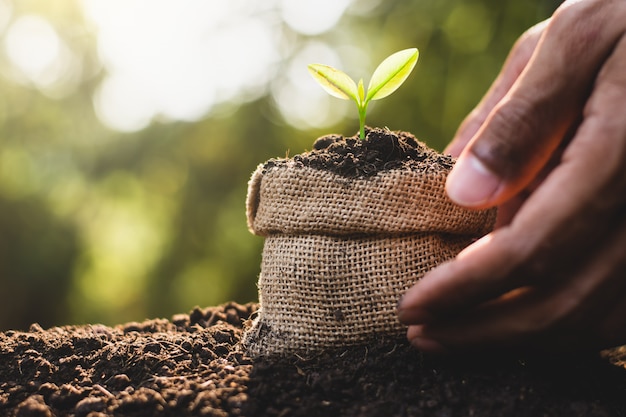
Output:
x=381 y=150
x=192 y=365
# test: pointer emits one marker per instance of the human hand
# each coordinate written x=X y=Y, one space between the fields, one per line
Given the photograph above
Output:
x=547 y=145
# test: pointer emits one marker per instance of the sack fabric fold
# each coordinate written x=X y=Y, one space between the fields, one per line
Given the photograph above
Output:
x=340 y=251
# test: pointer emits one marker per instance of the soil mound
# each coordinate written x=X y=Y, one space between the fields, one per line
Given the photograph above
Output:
x=192 y=365
x=381 y=150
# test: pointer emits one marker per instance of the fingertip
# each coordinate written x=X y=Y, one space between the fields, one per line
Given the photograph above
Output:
x=410 y=309
x=417 y=338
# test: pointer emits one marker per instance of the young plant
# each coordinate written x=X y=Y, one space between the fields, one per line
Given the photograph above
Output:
x=387 y=77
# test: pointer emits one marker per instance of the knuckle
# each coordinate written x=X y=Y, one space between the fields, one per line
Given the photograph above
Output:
x=557 y=314
x=547 y=321
x=584 y=19
x=530 y=37
x=512 y=139
x=573 y=10
x=523 y=49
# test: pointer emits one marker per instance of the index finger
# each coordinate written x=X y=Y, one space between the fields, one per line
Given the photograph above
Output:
x=527 y=125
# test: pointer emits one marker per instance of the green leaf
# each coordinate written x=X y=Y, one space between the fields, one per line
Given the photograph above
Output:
x=336 y=83
x=391 y=73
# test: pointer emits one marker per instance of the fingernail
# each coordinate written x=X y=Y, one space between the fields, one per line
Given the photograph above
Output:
x=471 y=183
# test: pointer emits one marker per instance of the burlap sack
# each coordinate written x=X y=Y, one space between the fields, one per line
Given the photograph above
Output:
x=340 y=251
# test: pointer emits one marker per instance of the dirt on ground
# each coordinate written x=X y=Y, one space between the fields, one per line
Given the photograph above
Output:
x=192 y=365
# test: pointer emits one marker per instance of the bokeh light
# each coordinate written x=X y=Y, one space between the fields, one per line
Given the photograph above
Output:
x=40 y=57
x=299 y=98
x=313 y=17
x=176 y=61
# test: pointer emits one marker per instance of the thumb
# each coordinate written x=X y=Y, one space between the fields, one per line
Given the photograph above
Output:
x=524 y=129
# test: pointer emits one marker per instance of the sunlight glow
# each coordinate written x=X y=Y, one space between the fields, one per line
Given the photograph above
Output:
x=6 y=10
x=32 y=44
x=169 y=60
x=298 y=97
x=313 y=17
x=176 y=60
x=40 y=57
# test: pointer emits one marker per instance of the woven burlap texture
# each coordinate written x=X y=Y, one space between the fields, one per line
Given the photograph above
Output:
x=293 y=199
x=339 y=252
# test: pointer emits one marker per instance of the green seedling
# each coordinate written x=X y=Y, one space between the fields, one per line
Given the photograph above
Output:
x=387 y=77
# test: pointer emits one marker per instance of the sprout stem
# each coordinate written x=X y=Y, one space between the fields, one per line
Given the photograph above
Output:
x=362 y=112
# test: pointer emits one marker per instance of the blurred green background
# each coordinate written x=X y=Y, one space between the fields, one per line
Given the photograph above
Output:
x=129 y=129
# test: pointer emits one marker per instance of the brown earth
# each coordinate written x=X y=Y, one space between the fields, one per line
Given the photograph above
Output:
x=192 y=365
x=381 y=150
